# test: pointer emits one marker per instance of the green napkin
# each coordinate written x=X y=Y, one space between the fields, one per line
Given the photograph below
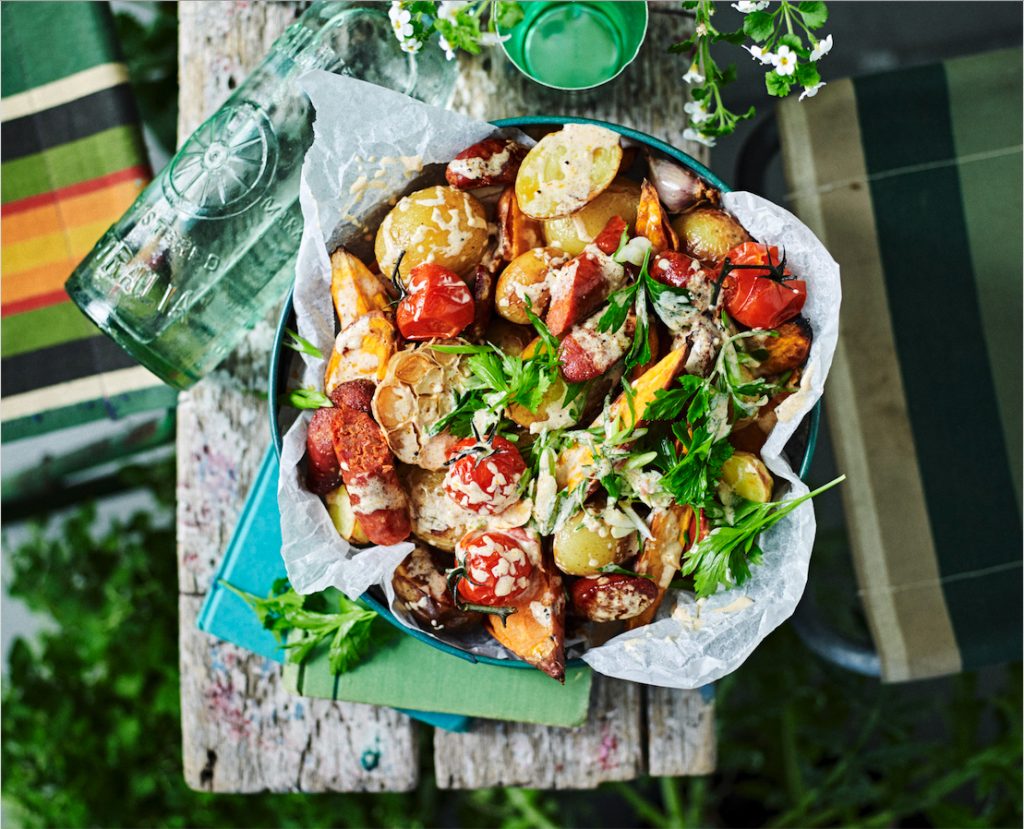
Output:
x=406 y=673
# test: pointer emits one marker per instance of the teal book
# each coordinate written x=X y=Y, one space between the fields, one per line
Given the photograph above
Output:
x=252 y=563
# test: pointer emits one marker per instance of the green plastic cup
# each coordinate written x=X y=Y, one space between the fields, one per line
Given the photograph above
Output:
x=575 y=46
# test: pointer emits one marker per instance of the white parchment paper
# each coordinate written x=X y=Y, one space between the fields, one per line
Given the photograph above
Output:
x=370 y=147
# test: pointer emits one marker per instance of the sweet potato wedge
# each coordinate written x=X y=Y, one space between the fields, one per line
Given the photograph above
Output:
x=536 y=631
x=785 y=352
x=657 y=377
x=354 y=289
x=361 y=351
x=661 y=555
x=571 y=466
x=517 y=232
x=651 y=221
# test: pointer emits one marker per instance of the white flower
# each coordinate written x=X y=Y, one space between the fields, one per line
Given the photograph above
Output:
x=748 y=6
x=821 y=48
x=449 y=9
x=701 y=30
x=690 y=134
x=411 y=46
x=397 y=15
x=449 y=53
x=811 y=91
x=401 y=21
x=784 y=61
x=757 y=53
x=492 y=38
x=697 y=112
x=693 y=75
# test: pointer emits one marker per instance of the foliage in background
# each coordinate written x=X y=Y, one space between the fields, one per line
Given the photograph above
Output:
x=151 y=56
x=91 y=726
x=777 y=34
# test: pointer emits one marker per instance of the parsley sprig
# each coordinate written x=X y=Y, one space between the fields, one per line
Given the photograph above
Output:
x=642 y=295
x=692 y=472
x=321 y=617
x=498 y=380
x=723 y=558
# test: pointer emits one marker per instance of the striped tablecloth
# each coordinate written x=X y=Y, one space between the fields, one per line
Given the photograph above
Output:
x=73 y=161
x=913 y=180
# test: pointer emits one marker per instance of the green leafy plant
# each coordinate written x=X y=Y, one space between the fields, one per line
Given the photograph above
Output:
x=466 y=26
x=782 y=38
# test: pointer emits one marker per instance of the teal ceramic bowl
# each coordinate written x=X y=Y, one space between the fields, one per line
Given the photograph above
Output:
x=280 y=359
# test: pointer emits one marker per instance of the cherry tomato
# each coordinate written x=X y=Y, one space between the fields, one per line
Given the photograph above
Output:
x=498 y=566
x=484 y=476
x=753 y=297
x=673 y=268
x=437 y=304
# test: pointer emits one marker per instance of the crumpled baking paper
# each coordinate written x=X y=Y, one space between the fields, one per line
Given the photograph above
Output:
x=372 y=145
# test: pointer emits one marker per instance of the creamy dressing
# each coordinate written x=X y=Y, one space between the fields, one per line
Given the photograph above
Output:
x=369 y=494
x=476 y=167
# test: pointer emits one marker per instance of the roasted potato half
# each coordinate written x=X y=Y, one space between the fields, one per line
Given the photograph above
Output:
x=708 y=234
x=744 y=474
x=527 y=276
x=566 y=169
x=339 y=507
x=437 y=224
x=585 y=543
x=574 y=232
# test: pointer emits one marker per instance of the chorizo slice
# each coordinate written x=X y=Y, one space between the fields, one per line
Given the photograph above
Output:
x=368 y=467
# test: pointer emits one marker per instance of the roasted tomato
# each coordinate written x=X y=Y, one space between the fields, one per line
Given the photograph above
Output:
x=759 y=298
x=674 y=268
x=497 y=568
x=437 y=304
x=483 y=476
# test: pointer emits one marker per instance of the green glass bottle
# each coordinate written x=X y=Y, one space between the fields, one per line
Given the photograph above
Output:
x=209 y=247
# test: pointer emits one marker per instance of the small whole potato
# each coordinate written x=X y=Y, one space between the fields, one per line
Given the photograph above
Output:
x=745 y=474
x=574 y=232
x=584 y=544
x=527 y=276
x=438 y=224
x=708 y=233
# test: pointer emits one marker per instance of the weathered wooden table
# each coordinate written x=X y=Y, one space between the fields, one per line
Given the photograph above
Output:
x=242 y=732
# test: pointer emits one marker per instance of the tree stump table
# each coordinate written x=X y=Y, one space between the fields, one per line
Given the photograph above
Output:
x=242 y=731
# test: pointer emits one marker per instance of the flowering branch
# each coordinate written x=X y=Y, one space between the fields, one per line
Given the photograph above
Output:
x=458 y=24
x=778 y=41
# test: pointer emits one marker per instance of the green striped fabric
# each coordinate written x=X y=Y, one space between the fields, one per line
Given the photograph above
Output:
x=95 y=155
x=72 y=39
x=913 y=178
x=73 y=162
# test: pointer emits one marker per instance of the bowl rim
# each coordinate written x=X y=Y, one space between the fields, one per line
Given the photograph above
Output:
x=287 y=312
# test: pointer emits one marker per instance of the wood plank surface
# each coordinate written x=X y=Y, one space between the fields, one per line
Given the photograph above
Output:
x=241 y=731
